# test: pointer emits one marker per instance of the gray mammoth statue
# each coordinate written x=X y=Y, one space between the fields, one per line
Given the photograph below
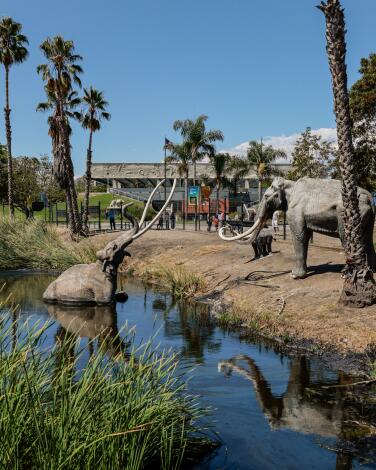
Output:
x=96 y=283
x=312 y=205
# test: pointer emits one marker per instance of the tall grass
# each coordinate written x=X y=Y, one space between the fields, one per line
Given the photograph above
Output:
x=36 y=245
x=115 y=413
x=179 y=281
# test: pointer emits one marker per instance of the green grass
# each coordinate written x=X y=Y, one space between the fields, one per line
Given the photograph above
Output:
x=129 y=412
x=105 y=200
x=36 y=245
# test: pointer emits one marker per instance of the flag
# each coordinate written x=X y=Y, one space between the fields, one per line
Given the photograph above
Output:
x=167 y=143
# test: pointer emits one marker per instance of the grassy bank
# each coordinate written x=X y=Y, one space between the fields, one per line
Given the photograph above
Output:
x=36 y=245
x=130 y=411
x=180 y=282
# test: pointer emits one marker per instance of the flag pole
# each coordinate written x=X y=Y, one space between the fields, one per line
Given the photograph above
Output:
x=165 y=183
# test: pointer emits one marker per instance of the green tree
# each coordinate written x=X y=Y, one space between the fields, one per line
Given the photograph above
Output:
x=359 y=287
x=47 y=182
x=59 y=74
x=199 y=141
x=26 y=182
x=94 y=112
x=237 y=169
x=12 y=51
x=363 y=113
x=312 y=157
x=219 y=163
x=261 y=158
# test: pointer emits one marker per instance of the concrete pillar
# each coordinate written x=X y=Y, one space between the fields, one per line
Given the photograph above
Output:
x=246 y=184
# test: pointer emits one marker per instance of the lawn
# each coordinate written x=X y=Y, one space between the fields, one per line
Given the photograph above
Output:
x=102 y=199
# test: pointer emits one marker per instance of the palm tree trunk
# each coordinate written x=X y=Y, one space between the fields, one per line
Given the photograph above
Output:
x=359 y=287
x=9 y=147
x=87 y=184
x=74 y=218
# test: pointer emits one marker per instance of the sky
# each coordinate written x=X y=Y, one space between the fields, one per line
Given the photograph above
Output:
x=256 y=68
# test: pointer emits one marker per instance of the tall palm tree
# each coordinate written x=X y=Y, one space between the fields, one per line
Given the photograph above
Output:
x=199 y=141
x=94 y=112
x=238 y=169
x=359 y=287
x=59 y=74
x=12 y=51
x=219 y=162
x=261 y=158
x=180 y=154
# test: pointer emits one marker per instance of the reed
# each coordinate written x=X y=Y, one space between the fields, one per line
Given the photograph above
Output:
x=179 y=281
x=125 y=411
x=36 y=245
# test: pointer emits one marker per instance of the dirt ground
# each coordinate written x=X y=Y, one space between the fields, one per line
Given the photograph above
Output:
x=262 y=293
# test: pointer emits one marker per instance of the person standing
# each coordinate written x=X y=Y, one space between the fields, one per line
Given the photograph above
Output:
x=172 y=220
x=216 y=222
x=209 y=221
x=275 y=223
x=167 y=220
x=111 y=216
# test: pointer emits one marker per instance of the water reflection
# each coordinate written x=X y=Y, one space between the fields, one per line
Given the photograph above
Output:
x=97 y=324
x=309 y=405
x=195 y=326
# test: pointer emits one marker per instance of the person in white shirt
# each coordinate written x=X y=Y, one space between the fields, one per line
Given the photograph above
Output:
x=275 y=223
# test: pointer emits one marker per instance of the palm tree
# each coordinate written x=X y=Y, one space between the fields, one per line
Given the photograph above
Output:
x=180 y=154
x=359 y=287
x=261 y=158
x=95 y=111
x=59 y=74
x=219 y=162
x=12 y=51
x=199 y=141
x=238 y=169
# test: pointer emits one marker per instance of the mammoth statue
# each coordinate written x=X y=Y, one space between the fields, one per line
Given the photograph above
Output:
x=96 y=283
x=312 y=205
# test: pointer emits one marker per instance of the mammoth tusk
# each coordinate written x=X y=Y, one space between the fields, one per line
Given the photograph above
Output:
x=141 y=232
x=148 y=202
x=241 y=235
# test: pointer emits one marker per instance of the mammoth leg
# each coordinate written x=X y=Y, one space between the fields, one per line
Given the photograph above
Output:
x=269 y=243
x=264 y=246
x=255 y=249
x=300 y=241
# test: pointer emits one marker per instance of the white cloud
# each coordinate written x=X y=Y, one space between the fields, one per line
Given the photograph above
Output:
x=285 y=142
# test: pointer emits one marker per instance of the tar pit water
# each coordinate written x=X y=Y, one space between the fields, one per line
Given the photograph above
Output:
x=270 y=409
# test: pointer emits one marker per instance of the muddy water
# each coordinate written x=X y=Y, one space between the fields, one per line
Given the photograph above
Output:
x=271 y=410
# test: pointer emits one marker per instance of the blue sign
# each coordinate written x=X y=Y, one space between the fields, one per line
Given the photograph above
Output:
x=194 y=191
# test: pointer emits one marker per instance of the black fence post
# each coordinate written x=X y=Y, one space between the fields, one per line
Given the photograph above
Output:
x=99 y=213
x=121 y=215
x=284 y=225
x=57 y=218
x=66 y=214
